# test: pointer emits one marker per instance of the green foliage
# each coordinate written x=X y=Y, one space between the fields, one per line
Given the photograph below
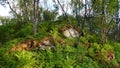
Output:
x=22 y=59
x=83 y=40
x=6 y=32
x=117 y=50
x=49 y=15
x=78 y=5
x=99 y=54
x=66 y=18
x=94 y=50
x=87 y=63
x=24 y=31
x=9 y=32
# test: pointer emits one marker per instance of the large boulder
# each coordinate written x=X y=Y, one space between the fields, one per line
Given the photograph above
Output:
x=70 y=31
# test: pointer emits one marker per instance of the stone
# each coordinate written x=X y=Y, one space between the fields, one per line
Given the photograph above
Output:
x=45 y=43
x=71 y=33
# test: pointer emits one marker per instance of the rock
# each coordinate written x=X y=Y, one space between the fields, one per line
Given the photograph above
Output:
x=25 y=45
x=71 y=33
x=46 y=43
x=43 y=47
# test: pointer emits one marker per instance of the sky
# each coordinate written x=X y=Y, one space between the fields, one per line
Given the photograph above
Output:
x=4 y=11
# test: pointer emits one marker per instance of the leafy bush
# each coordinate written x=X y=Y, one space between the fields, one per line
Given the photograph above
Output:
x=21 y=59
x=87 y=63
x=117 y=50
x=6 y=32
x=24 y=31
x=49 y=15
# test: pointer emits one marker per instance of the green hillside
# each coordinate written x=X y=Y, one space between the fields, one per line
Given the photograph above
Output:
x=86 y=53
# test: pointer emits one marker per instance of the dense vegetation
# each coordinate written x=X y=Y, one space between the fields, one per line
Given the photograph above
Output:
x=65 y=56
x=97 y=45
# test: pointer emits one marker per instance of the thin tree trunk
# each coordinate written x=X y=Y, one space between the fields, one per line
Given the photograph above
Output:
x=103 y=27
x=35 y=20
x=36 y=8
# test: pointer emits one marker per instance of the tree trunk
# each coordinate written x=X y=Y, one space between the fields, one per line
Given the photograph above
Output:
x=35 y=19
x=103 y=38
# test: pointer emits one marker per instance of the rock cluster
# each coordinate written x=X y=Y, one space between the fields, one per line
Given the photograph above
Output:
x=43 y=44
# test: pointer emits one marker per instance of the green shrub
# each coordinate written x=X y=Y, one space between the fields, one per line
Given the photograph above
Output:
x=87 y=63
x=21 y=59
x=117 y=51
x=24 y=31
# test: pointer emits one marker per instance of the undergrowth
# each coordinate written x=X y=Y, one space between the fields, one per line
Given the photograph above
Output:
x=64 y=56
